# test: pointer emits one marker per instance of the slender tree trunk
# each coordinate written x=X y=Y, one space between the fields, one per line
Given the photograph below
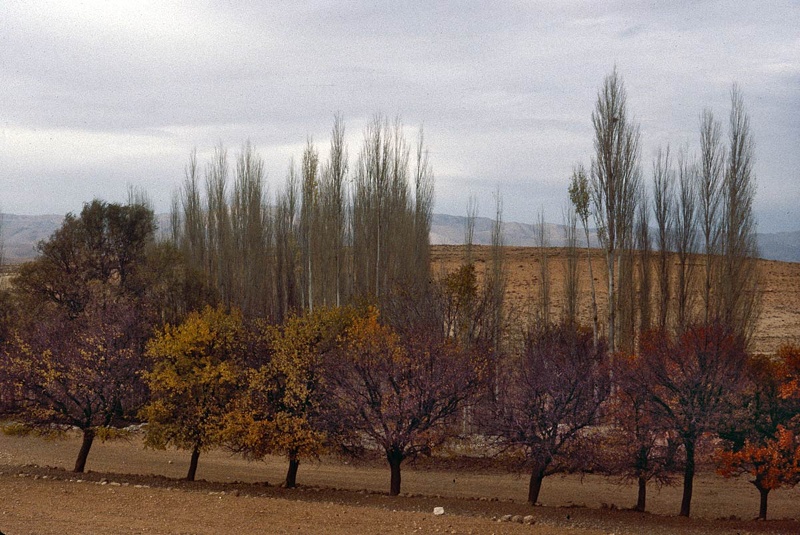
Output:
x=291 y=475
x=612 y=304
x=688 y=478
x=395 y=458
x=535 y=485
x=86 y=445
x=762 y=509
x=595 y=319
x=193 y=463
x=707 y=289
x=641 y=499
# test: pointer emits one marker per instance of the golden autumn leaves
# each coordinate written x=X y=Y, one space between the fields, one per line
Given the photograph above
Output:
x=331 y=378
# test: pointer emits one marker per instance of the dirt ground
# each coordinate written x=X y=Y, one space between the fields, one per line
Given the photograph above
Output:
x=778 y=323
x=132 y=490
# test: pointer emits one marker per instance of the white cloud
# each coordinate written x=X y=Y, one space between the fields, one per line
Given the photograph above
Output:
x=505 y=90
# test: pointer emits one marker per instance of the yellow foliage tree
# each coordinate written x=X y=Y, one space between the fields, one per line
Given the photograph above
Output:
x=195 y=375
x=280 y=413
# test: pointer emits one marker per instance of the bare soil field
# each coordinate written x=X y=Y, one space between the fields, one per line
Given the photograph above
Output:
x=129 y=489
x=779 y=321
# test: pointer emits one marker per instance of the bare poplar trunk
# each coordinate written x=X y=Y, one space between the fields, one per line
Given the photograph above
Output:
x=571 y=280
x=595 y=315
x=544 y=271
x=645 y=252
x=612 y=308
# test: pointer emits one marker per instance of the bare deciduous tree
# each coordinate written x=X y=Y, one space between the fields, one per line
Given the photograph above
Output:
x=251 y=235
x=334 y=216
x=390 y=226
x=645 y=245
x=309 y=221
x=286 y=249
x=685 y=240
x=543 y=242
x=615 y=178
x=710 y=176
x=663 y=208
x=739 y=279
x=218 y=225
x=580 y=196
x=469 y=227
x=571 y=278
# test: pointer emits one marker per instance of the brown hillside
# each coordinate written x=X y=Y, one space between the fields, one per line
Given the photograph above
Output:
x=779 y=322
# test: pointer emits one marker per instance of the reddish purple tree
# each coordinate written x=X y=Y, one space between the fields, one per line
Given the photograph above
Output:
x=554 y=391
x=77 y=372
x=694 y=381
x=397 y=393
x=83 y=313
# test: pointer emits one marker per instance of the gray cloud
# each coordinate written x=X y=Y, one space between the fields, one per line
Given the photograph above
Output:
x=100 y=95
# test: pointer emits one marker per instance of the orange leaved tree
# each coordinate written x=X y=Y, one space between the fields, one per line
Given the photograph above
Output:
x=773 y=463
x=763 y=440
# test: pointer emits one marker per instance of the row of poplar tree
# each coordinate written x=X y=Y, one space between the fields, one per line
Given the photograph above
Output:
x=332 y=235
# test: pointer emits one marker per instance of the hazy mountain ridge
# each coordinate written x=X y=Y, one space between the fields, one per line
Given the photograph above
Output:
x=21 y=233
x=451 y=230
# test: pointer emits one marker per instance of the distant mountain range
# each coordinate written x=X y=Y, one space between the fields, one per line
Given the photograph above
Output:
x=21 y=233
x=450 y=230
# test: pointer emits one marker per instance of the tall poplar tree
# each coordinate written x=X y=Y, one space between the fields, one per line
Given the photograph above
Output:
x=615 y=179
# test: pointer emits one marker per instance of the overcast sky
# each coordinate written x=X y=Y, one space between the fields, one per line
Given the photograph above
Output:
x=99 y=95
